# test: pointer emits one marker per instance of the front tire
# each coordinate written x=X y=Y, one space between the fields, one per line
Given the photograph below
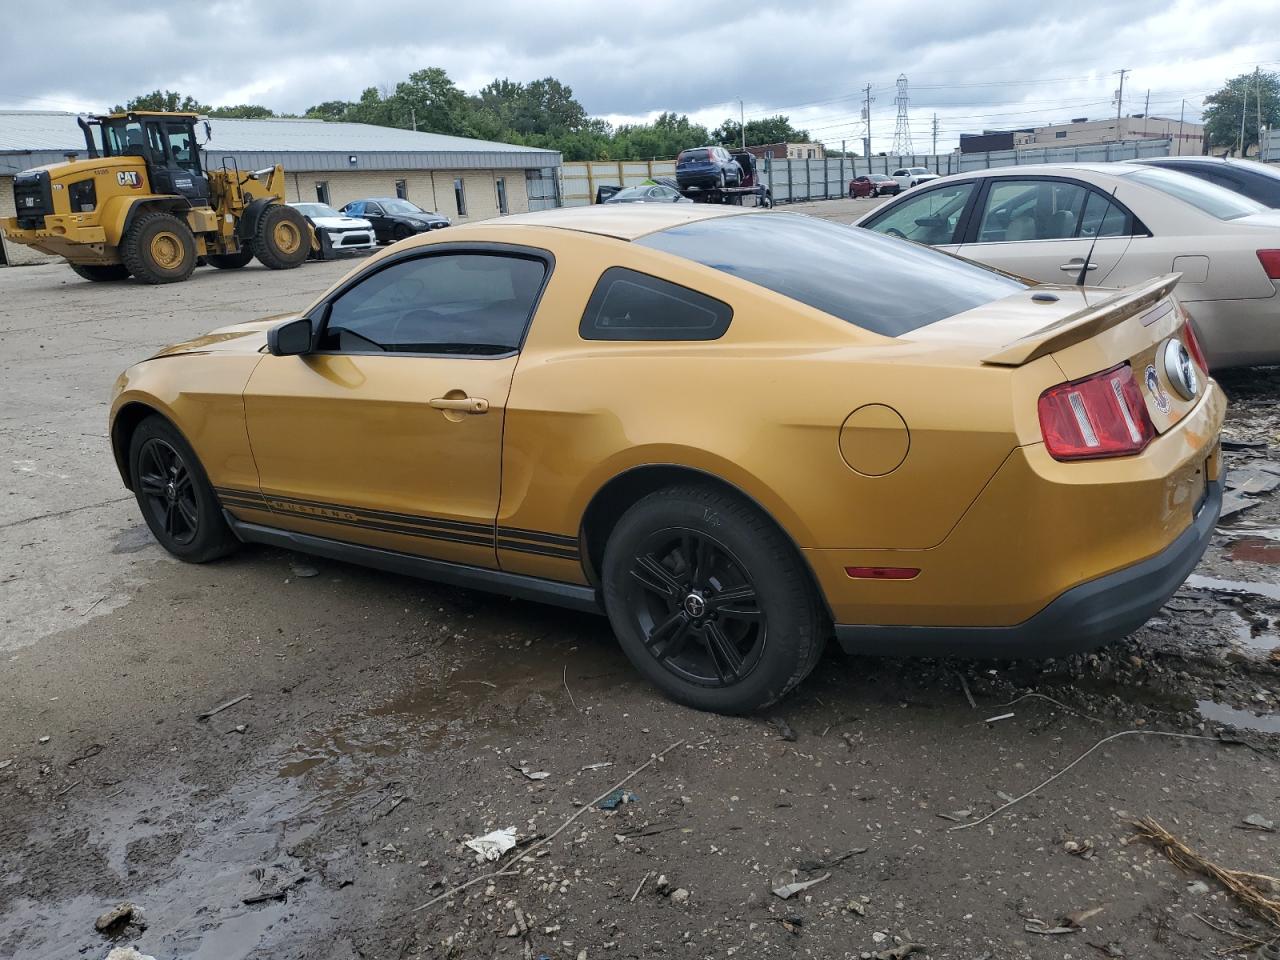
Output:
x=159 y=248
x=281 y=240
x=710 y=600
x=401 y=232
x=100 y=272
x=175 y=496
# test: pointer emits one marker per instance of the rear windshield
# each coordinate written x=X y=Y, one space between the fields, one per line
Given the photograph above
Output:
x=1212 y=199
x=876 y=282
x=694 y=155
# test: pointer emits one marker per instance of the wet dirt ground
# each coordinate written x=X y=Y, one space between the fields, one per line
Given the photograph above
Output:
x=388 y=721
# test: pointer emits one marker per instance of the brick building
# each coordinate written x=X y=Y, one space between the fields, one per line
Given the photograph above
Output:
x=466 y=180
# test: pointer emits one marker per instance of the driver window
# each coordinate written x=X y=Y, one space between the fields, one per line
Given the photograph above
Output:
x=182 y=149
x=931 y=217
x=125 y=141
x=470 y=304
x=372 y=210
x=155 y=140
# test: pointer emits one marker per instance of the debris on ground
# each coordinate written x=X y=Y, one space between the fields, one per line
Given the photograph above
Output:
x=1079 y=848
x=118 y=917
x=1256 y=821
x=1249 y=889
x=303 y=570
x=813 y=866
x=127 y=953
x=532 y=774
x=1036 y=925
x=679 y=895
x=789 y=890
x=784 y=730
x=493 y=845
x=222 y=706
x=901 y=952
x=616 y=798
x=276 y=891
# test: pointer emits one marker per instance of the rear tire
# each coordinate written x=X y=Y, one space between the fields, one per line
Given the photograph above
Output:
x=282 y=239
x=229 y=261
x=710 y=600
x=175 y=496
x=100 y=272
x=159 y=248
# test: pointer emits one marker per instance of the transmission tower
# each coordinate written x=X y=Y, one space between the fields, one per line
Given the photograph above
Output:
x=902 y=132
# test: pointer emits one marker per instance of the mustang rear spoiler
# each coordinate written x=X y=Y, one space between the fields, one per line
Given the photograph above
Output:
x=1083 y=324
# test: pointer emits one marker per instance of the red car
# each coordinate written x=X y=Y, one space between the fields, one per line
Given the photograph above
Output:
x=873 y=185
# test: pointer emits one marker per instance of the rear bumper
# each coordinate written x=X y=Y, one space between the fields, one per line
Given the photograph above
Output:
x=698 y=178
x=1086 y=616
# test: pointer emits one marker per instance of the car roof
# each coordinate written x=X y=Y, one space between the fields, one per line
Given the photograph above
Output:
x=623 y=221
x=1051 y=169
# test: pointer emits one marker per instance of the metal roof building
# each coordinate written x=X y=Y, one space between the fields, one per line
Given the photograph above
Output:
x=335 y=163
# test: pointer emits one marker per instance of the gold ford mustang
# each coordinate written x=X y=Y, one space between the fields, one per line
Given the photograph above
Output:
x=737 y=433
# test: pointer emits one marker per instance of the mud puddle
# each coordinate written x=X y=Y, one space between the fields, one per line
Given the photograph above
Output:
x=1240 y=719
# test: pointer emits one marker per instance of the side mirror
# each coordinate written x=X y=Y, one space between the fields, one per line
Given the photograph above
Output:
x=291 y=339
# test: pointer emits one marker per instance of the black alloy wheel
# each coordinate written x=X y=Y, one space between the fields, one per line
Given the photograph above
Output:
x=710 y=600
x=697 y=608
x=175 y=496
x=165 y=485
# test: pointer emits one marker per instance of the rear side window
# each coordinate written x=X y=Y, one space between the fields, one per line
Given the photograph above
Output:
x=627 y=305
x=875 y=282
x=1212 y=199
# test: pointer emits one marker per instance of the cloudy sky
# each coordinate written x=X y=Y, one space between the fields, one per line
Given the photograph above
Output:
x=973 y=63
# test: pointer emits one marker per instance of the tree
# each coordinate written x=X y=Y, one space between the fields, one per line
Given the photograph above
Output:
x=1240 y=97
x=775 y=129
x=329 y=110
x=169 y=101
x=243 y=111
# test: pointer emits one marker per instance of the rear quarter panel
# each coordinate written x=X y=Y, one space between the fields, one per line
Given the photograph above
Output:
x=761 y=408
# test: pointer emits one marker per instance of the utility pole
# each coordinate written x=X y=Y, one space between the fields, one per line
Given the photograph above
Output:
x=866 y=119
x=1181 y=115
x=1257 y=99
x=742 y=124
x=1120 y=99
x=935 y=138
x=413 y=118
x=1146 y=110
x=1244 y=110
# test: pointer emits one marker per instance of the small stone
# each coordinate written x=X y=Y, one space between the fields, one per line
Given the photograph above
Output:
x=663 y=886
x=303 y=570
x=44 y=739
x=879 y=937
x=117 y=916
x=1197 y=888
x=853 y=906
x=127 y=953
x=1259 y=822
x=680 y=895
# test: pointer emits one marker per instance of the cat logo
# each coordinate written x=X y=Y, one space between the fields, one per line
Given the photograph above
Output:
x=129 y=178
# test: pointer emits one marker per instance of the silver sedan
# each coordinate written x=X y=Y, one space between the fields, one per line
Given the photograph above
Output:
x=1132 y=222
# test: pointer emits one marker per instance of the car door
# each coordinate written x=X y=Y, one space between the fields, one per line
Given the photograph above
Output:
x=1043 y=227
x=933 y=216
x=389 y=432
x=374 y=213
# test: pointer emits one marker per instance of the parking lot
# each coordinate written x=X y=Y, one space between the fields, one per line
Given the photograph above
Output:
x=377 y=722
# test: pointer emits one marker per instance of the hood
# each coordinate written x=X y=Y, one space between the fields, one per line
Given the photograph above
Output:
x=342 y=223
x=238 y=338
x=426 y=219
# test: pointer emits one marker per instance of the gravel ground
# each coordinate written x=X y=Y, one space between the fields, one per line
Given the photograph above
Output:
x=388 y=721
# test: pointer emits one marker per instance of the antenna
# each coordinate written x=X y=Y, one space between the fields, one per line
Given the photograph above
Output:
x=902 y=131
x=1084 y=267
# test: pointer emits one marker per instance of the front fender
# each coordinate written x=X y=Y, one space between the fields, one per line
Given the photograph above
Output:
x=201 y=395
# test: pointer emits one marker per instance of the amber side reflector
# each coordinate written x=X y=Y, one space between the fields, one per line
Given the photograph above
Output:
x=882 y=573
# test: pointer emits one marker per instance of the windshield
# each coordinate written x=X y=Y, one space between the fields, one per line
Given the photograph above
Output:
x=401 y=206
x=316 y=209
x=1212 y=199
x=875 y=282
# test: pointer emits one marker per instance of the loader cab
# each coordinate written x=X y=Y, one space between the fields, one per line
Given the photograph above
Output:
x=166 y=143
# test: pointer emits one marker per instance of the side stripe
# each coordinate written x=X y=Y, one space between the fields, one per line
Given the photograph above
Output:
x=413 y=525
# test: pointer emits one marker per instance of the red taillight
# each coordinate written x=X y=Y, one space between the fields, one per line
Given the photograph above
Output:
x=1270 y=260
x=1100 y=416
x=1193 y=345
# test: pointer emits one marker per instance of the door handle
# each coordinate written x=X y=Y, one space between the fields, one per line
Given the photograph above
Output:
x=461 y=404
x=1075 y=265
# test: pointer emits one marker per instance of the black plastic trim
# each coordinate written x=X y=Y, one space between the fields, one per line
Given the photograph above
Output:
x=571 y=595
x=1085 y=617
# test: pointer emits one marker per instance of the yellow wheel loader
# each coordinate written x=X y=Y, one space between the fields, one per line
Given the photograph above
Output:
x=145 y=205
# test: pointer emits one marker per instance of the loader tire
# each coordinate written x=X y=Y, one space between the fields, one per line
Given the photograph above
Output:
x=100 y=272
x=159 y=248
x=282 y=239
x=229 y=261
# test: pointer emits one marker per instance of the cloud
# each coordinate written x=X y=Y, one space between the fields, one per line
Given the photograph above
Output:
x=995 y=63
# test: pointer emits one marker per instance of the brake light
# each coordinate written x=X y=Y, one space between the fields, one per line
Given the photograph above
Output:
x=882 y=573
x=1193 y=345
x=1270 y=260
x=1100 y=416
